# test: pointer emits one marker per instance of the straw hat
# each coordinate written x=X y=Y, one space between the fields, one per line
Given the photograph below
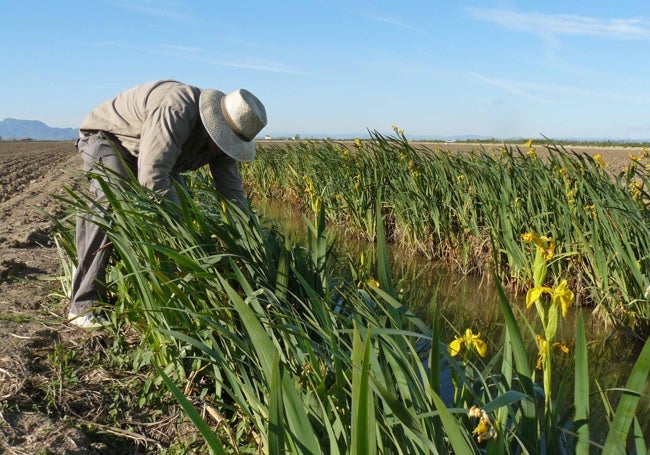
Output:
x=233 y=121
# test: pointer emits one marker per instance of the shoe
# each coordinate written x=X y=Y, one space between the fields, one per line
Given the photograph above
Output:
x=87 y=321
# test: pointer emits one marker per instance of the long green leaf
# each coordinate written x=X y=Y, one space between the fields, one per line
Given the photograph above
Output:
x=383 y=267
x=276 y=426
x=405 y=415
x=626 y=409
x=511 y=396
x=639 y=441
x=297 y=419
x=581 y=391
x=529 y=415
x=363 y=408
x=260 y=340
x=434 y=362
x=454 y=430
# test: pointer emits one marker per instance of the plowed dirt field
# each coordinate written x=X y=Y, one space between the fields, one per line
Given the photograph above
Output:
x=32 y=327
x=30 y=318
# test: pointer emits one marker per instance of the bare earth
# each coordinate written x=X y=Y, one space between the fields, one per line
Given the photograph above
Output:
x=30 y=320
x=31 y=316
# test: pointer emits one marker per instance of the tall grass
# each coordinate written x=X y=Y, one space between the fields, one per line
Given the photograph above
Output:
x=288 y=357
x=470 y=209
x=279 y=342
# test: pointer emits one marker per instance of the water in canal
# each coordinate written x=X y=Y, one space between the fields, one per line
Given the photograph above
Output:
x=473 y=302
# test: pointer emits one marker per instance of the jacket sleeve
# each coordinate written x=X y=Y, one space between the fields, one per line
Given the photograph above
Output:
x=228 y=181
x=164 y=132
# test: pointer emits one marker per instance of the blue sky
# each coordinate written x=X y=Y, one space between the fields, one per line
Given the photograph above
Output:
x=503 y=69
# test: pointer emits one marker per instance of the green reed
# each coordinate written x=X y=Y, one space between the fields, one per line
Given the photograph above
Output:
x=235 y=312
x=287 y=356
x=470 y=209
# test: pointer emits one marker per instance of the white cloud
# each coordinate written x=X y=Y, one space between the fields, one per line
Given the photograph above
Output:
x=544 y=92
x=251 y=63
x=550 y=25
x=395 y=23
x=169 y=9
x=198 y=55
x=258 y=65
x=513 y=87
x=181 y=48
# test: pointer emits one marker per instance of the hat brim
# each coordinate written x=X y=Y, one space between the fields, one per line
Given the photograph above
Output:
x=217 y=127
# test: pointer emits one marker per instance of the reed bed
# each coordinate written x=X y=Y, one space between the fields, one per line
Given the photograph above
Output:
x=470 y=210
x=269 y=350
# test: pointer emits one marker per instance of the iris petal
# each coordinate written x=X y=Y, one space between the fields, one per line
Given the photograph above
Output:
x=535 y=293
x=454 y=346
x=564 y=296
x=481 y=347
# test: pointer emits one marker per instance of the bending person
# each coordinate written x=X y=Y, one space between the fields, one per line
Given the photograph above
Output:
x=159 y=129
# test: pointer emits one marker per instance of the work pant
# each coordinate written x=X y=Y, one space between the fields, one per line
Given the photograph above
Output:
x=101 y=157
x=104 y=158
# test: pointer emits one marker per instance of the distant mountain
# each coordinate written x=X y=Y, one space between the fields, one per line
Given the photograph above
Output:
x=11 y=128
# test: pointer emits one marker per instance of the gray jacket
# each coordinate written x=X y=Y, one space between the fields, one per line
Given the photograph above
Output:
x=159 y=124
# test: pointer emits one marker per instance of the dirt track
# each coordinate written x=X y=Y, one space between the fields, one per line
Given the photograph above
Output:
x=31 y=322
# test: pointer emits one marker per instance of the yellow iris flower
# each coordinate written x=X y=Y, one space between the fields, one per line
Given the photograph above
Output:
x=471 y=341
x=598 y=158
x=560 y=295
x=545 y=244
x=563 y=296
x=535 y=293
